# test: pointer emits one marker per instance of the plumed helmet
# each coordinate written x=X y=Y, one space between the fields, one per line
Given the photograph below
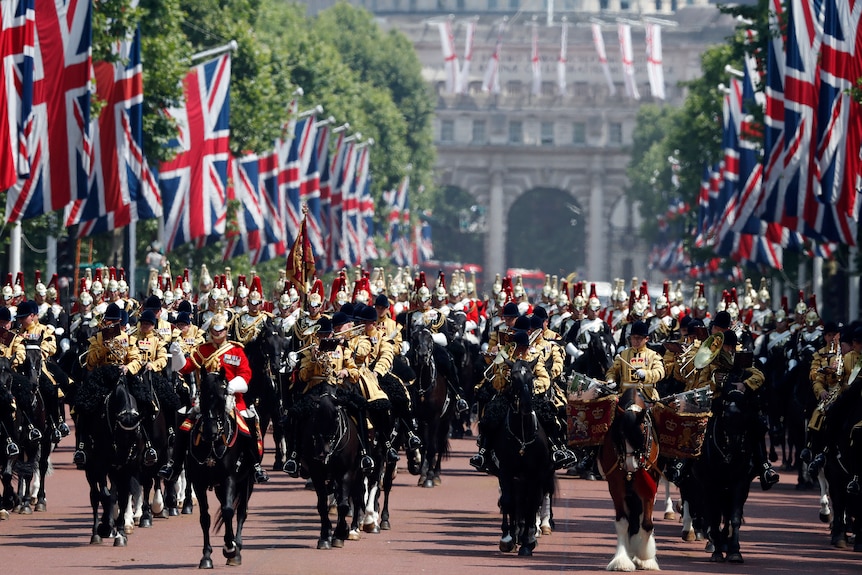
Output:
x=85 y=298
x=341 y=297
x=639 y=308
x=284 y=301
x=96 y=288
x=294 y=295
x=661 y=302
x=168 y=297
x=218 y=322
x=562 y=299
x=733 y=310
x=780 y=315
x=242 y=291
x=362 y=296
x=314 y=300
x=424 y=294
x=763 y=293
x=812 y=318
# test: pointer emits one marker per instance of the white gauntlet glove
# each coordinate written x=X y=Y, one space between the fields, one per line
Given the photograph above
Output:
x=237 y=385
x=178 y=360
x=641 y=374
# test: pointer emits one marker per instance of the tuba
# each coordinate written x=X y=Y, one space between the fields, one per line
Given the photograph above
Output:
x=708 y=351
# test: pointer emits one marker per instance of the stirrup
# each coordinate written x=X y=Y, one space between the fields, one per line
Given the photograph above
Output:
x=413 y=442
x=768 y=478
x=260 y=475
x=291 y=467
x=150 y=457
x=12 y=449
x=478 y=461
x=80 y=458
x=35 y=434
x=461 y=406
x=56 y=436
x=816 y=465
x=167 y=471
x=853 y=488
x=64 y=429
x=366 y=464
x=392 y=455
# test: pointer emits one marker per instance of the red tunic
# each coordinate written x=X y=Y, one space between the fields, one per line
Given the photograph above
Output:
x=234 y=362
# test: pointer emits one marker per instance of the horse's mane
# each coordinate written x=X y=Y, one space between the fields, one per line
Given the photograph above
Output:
x=93 y=389
x=343 y=396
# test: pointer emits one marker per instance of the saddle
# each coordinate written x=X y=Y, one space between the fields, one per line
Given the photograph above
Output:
x=202 y=450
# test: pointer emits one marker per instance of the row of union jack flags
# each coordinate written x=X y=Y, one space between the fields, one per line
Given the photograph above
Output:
x=799 y=190
x=411 y=243
x=53 y=156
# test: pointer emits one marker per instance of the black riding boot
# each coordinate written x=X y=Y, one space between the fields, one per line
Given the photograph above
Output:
x=260 y=475
x=412 y=430
x=854 y=488
x=479 y=461
x=171 y=470
x=768 y=476
x=383 y=428
x=62 y=427
x=366 y=463
x=291 y=465
x=82 y=439
x=561 y=456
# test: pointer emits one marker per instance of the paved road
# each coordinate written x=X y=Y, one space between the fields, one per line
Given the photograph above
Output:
x=450 y=529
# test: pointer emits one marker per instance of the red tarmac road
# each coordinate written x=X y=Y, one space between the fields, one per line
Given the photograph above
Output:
x=450 y=529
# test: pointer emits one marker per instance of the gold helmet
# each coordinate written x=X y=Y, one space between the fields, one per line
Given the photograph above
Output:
x=763 y=296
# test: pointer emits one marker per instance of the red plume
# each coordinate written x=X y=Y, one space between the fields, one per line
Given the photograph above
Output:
x=593 y=291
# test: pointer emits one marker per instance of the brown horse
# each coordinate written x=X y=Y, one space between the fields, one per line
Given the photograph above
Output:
x=627 y=460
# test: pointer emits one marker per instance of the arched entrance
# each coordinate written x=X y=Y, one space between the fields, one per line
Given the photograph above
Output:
x=458 y=226
x=546 y=230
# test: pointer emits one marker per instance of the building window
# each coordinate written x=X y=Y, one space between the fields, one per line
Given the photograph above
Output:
x=516 y=132
x=547 y=133
x=579 y=133
x=549 y=88
x=513 y=88
x=582 y=89
x=514 y=4
x=615 y=133
x=447 y=131
x=658 y=5
x=492 y=4
x=624 y=5
x=479 y=132
x=603 y=4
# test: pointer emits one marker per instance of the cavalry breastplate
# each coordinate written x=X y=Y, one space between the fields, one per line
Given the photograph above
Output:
x=249 y=327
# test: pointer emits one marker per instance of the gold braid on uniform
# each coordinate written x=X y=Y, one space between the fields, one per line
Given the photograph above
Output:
x=249 y=333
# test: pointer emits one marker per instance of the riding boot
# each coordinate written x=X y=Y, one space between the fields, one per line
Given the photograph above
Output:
x=366 y=463
x=854 y=487
x=413 y=441
x=62 y=427
x=260 y=475
x=170 y=471
x=82 y=438
x=291 y=466
x=768 y=476
x=478 y=460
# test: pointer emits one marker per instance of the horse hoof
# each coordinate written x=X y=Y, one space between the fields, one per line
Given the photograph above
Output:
x=371 y=528
x=669 y=515
x=428 y=483
x=173 y=511
x=323 y=544
x=145 y=523
x=128 y=529
x=4 y=515
x=436 y=481
x=353 y=535
x=546 y=530
x=234 y=561
x=229 y=552
x=826 y=518
x=716 y=557
x=188 y=509
x=41 y=506
x=735 y=558
x=689 y=536
x=525 y=551
x=338 y=543
x=120 y=541
x=839 y=542
x=26 y=510
x=507 y=544
x=698 y=535
x=385 y=525
x=206 y=563
x=95 y=540
x=710 y=548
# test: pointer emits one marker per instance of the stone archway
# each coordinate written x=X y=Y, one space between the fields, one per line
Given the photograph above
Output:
x=458 y=227
x=546 y=230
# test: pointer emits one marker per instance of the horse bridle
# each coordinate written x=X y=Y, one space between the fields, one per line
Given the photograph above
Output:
x=339 y=437
x=533 y=418
x=431 y=365
x=224 y=429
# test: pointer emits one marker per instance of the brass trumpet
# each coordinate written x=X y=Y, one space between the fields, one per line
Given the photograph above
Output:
x=708 y=351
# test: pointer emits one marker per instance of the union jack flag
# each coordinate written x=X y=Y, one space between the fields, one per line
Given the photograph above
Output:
x=344 y=158
x=294 y=157
x=119 y=175
x=194 y=183
x=347 y=203
x=273 y=242
x=16 y=50
x=353 y=236
x=772 y=203
x=246 y=238
x=58 y=129
x=325 y=218
x=310 y=193
x=366 y=205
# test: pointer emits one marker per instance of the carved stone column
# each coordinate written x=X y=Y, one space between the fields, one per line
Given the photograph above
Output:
x=597 y=240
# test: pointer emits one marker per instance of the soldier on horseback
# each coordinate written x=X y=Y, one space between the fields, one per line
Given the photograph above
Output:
x=153 y=357
x=110 y=346
x=35 y=333
x=219 y=354
x=724 y=370
x=11 y=348
x=555 y=428
x=828 y=380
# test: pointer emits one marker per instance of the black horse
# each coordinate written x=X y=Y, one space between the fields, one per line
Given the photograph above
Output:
x=465 y=352
x=217 y=459
x=841 y=416
x=434 y=405
x=8 y=439
x=725 y=471
x=526 y=471
x=106 y=399
x=264 y=354
x=330 y=452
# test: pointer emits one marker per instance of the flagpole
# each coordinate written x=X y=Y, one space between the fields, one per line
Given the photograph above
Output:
x=231 y=46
